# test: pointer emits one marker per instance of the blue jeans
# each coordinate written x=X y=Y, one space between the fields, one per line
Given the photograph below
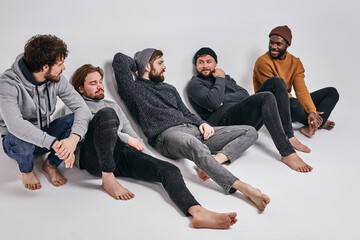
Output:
x=23 y=152
x=186 y=141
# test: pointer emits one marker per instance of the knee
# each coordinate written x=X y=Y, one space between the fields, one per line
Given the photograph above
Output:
x=267 y=96
x=253 y=134
x=334 y=93
x=277 y=81
x=107 y=116
x=15 y=146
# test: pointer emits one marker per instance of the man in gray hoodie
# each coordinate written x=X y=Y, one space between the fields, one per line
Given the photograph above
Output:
x=28 y=95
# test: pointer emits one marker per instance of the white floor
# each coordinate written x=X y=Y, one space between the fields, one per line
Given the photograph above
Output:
x=317 y=205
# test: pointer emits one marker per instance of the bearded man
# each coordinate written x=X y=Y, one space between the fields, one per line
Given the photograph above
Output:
x=28 y=95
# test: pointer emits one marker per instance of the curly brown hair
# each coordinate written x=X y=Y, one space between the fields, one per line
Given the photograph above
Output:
x=41 y=50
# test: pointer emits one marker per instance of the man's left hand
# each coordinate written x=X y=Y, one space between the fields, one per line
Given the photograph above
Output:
x=206 y=130
x=65 y=148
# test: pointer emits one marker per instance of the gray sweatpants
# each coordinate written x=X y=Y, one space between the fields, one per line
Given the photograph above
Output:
x=186 y=141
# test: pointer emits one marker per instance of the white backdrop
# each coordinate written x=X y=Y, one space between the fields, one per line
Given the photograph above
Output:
x=325 y=37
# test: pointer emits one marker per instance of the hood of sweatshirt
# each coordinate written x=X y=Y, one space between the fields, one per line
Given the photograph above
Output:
x=34 y=99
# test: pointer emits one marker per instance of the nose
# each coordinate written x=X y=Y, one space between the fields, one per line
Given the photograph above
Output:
x=63 y=67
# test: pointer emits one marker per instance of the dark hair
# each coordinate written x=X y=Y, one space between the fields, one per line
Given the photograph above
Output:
x=80 y=74
x=156 y=54
x=41 y=50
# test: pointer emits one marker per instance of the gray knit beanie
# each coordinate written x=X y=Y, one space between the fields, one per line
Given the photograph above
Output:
x=142 y=58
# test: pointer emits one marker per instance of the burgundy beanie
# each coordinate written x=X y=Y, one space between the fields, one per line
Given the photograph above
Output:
x=282 y=31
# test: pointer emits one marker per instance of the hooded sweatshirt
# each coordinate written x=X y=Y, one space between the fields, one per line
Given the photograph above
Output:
x=26 y=105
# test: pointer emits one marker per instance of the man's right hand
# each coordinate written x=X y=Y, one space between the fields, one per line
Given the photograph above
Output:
x=315 y=120
x=135 y=143
x=218 y=72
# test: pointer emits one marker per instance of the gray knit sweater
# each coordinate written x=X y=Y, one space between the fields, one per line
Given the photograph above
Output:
x=156 y=106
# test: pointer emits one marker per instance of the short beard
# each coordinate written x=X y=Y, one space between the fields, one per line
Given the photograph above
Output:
x=51 y=77
x=281 y=53
x=98 y=97
x=156 y=78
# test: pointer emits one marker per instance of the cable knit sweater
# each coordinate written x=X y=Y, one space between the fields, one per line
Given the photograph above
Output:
x=290 y=70
x=156 y=106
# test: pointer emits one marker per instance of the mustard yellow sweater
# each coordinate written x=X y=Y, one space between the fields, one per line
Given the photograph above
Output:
x=291 y=70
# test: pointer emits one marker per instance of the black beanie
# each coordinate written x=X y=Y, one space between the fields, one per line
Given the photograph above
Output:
x=204 y=51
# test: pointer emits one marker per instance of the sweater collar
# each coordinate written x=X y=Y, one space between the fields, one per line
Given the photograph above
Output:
x=148 y=81
x=25 y=70
x=211 y=77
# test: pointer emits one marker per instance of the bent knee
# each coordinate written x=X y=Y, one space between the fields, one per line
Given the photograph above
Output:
x=277 y=82
x=253 y=134
x=334 y=93
x=266 y=96
x=106 y=115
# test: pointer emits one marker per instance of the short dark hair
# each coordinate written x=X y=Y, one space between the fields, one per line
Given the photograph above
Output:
x=156 y=54
x=80 y=74
x=41 y=50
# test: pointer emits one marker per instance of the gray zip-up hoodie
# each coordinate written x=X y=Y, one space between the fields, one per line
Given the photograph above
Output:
x=26 y=106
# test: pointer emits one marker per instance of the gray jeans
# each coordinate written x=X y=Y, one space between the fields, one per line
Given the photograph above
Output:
x=186 y=141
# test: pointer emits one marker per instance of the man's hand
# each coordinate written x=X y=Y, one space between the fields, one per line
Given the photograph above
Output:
x=315 y=120
x=218 y=72
x=135 y=143
x=65 y=148
x=206 y=130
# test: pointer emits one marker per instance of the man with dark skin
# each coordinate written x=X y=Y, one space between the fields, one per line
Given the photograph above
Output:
x=312 y=110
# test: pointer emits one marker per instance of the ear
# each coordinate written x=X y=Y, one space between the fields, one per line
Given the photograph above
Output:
x=81 y=89
x=148 y=68
x=45 y=68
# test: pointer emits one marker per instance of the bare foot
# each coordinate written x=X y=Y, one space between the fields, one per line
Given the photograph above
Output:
x=54 y=175
x=30 y=180
x=298 y=145
x=203 y=218
x=114 y=189
x=307 y=131
x=328 y=125
x=296 y=163
x=261 y=200
x=202 y=174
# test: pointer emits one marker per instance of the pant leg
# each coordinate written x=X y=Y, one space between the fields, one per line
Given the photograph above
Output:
x=97 y=150
x=21 y=151
x=185 y=141
x=278 y=88
x=232 y=140
x=61 y=129
x=298 y=113
x=258 y=108
x=138 y=165
x=325 y=100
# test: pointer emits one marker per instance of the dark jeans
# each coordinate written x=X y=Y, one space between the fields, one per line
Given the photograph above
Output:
x=103 y=151
x=269 y=106
x=23 y=152
x=324 y=99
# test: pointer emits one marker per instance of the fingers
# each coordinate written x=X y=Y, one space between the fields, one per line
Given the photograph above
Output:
x=201 y=128
x=69 y=162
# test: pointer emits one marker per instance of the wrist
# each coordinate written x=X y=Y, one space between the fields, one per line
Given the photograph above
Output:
x=74 y=137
